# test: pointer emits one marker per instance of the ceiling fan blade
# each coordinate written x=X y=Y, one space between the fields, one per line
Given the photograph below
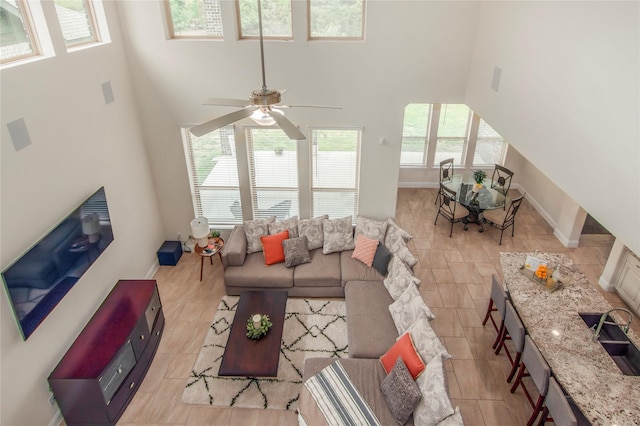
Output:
x=309 y=106
x=227 y=102
x=287 y=126
x=219 y=122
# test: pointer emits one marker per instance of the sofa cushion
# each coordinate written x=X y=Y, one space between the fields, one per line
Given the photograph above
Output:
x=354 y=270
x=409 y=308
x=401 y=392
x=426 y=341
x=322 y=271
x=254 y=273
x=234 y=251
x=365 y=374
x=365 y=249
x=381 y=260
x=272 y=247
x=394 y=232
x=312 y=229
x=400 y=249
x=338 y=235
x=403 y=348
x=399 y=278
x=254 y=229
x=290 y=224
x=435 y=405
x=371 y=228
x=296 y=251
x=453 y=420
x=369 y=335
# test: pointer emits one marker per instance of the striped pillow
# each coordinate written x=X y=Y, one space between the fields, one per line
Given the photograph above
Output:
x=365 y=249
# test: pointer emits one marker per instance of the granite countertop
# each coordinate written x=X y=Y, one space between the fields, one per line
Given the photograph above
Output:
x=584 y=369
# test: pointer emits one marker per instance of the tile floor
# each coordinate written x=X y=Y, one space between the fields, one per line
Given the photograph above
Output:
x=456 y=278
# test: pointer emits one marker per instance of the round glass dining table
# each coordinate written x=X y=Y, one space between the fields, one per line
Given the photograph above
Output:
x=486 y=198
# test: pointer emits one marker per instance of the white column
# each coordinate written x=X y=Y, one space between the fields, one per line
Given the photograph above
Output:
x=612 y=266
x=570 y=223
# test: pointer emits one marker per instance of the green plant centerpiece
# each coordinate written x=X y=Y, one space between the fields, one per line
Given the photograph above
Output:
x=478 y=176
x=258 y=325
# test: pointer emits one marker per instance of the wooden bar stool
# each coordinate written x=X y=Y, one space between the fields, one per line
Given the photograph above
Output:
x=513 y=330
x=557 y=405
x=533 y=365
x=496 y=304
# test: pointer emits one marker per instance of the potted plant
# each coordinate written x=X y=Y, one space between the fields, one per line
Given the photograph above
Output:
x=215 y=234
x=479 y=176
x=279 y=149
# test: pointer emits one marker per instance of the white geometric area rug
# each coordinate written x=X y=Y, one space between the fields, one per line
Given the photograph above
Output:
x=312 y=328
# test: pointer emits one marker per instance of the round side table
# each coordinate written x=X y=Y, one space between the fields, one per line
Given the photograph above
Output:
x=209 y=251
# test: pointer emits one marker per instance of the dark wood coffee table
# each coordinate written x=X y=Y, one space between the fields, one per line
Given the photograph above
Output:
x=255 y=358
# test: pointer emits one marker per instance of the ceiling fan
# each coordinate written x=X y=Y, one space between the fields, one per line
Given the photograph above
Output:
x=261 y=106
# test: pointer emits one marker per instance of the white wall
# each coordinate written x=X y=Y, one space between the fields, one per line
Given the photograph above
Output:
x=78 y=145
x=568 y=99
x=412 y=50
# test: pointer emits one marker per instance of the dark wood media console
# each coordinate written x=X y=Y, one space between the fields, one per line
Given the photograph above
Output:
x=103 y=368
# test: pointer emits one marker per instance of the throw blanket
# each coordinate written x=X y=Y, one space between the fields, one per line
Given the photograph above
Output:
x=337 y=398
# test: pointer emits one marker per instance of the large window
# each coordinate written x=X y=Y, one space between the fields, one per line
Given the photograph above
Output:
x=77 y=21
x=336 y=19
x=276 y=19
x=17 y=37
x=335 y=163
x=434 y=132
x=213 y=174
x=194 y=18
x=273 y=170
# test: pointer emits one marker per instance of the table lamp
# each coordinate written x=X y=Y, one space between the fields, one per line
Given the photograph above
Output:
x=91 y=227
x=200 y=230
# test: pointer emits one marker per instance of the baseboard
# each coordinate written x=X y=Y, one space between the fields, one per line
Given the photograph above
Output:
x=153 y=270
x=418 y=185
x=606 y=286
x=536 y=205
x=56 y=420
x=564 y=240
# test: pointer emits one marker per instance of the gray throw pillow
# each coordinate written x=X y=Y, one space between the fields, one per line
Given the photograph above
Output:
x=312 y=229
x=409 y=308
x=394 y=232
x=254 y=229
x=371 y=228
x=399 y=278
x=381 y=260
x=290 y=224
x=453 y=420
x=401 y=392
x=400 y=249
x=296 y=251
x=338 y=235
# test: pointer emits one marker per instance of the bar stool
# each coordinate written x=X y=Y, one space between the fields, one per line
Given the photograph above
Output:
x=496 y=304
x=557 y=405
x=513 y=330
x=536 y=368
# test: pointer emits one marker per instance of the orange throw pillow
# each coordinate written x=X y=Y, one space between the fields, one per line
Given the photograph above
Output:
x=272 y=247
x=365 y=249
x=404 y=349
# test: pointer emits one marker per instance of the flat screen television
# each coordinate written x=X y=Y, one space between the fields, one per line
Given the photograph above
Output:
x=37 y=281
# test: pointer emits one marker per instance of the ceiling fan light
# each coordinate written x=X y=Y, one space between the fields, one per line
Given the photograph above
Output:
x=261 y=117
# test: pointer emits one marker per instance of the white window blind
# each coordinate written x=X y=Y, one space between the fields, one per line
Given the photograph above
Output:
x=415 y=132
x=77 y=21
x=194 y=18
x=490 y=146
x=16 y=32
x=273 y=170
x=335 y=164
x=213 y=174
x=453 y=131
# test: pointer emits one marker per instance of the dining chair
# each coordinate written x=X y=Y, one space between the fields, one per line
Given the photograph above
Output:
x=503 y=220
x=556 y=404
x=446 y=173
x=534 y=366
x=497 y=303
x=450 y=209
x=513 y=330
x=501 y=179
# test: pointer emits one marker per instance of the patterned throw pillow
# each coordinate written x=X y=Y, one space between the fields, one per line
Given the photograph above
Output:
x=426 y=340
x=405 y=349
x=401 y=392
x=272 y=247
x=435 y=405
x=371 y=228
x=365 y=249
x=399 y=278
x=338 y=235
x=381 y=260
x=312 y=229
x=394 y=232
x=296 y=251
x=400 y=249
x=453 y=420
x=254 y=229
x=409 y=308
x=290 y=224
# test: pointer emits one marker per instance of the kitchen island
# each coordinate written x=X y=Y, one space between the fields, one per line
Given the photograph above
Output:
x=582 y=367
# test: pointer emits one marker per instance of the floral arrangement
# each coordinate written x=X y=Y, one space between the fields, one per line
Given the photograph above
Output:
x=258 y=325
x=479 y=176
